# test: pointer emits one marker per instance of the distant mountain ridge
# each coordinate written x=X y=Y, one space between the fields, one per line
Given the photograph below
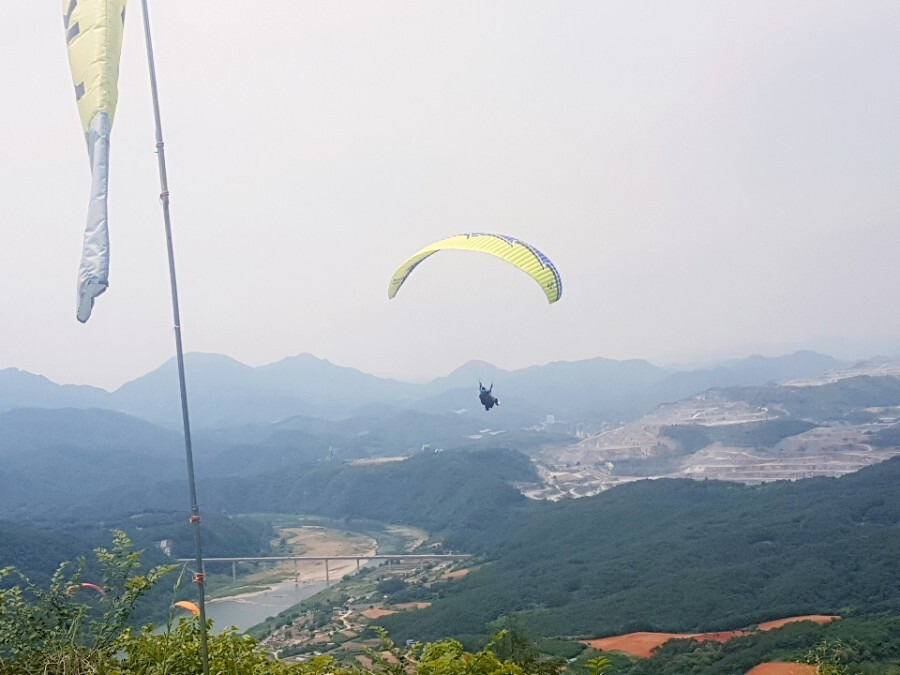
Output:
x=828 y=426
x=21 y=389
x=226 y=393
x=745 y=434
x=66 y=454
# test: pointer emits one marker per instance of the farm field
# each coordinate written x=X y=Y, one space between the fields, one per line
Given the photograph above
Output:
x=643 y=644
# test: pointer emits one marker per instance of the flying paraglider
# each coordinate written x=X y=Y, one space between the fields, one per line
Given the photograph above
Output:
x=488 y=400
x=75 y=587
x=189 y=606
x=514 y=251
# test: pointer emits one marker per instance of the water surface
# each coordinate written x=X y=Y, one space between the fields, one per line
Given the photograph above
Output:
x=251 y=609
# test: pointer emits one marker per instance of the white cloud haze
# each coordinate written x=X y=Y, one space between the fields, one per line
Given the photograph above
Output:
x=710 y=178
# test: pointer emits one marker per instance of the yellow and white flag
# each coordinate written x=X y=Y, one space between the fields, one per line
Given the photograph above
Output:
x=94 y=39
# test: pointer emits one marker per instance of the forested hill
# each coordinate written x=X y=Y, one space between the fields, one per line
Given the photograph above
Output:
x=680 y=555
x=672 y=555
x=448 y=492
x=36 y=548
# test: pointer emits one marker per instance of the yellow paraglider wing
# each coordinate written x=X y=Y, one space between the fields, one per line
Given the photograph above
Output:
x=514 y=251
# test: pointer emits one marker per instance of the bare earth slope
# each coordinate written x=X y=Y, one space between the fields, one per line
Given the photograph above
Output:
x=829 y=426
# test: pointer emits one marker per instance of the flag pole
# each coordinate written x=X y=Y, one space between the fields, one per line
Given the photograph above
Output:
x=199 y=577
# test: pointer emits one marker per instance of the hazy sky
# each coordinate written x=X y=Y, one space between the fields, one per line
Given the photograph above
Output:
x=711 y=178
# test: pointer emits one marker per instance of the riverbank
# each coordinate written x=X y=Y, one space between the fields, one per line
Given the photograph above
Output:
x=298 y=540
x=269 y=588
x=248 y=609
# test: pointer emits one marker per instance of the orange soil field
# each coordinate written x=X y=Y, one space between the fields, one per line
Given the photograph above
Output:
x=782 y=668
x=643 y=644
x=377 y=612
x=817 y=618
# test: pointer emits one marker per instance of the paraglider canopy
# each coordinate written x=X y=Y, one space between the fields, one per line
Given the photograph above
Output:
x=85 y=584
x=189 y=606
x=514 y=251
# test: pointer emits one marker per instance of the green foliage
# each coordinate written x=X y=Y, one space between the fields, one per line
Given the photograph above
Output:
x=679 y=555
x=861 y=645
x=844 y=399
x=174 y=653
x=614 y=662
x=178 y=651
x=55 y=631
x=761 y=434
x=598 y=665
x=36 y=551
x=36 y=547
x=446 y=657
x=390 y=586
x=52 y=632
x=511 y=643
x=690 y=437
x=452 y=492
x=888 y=437
x=560 y=648
x=830 y=657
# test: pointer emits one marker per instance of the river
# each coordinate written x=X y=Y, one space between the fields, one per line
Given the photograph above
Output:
x=252 y=608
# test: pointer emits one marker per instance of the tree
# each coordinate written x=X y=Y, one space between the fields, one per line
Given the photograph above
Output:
x=55 y=630
x=598 y=665
x=444 y=657
x=830 y=657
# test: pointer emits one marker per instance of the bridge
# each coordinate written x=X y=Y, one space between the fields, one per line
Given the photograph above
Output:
x=390 y=558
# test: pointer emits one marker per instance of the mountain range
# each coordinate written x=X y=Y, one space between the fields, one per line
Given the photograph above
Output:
x=225 y=393
x=71 y=442
x=305 y=436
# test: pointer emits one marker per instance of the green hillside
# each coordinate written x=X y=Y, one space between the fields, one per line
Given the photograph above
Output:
x=862 y=645
x=679 y=555
x=668 y=555
x=37 y=548
x=439 y=492
x=846 y=399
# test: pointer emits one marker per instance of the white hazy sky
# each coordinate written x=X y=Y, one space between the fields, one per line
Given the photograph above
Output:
x=711 y=178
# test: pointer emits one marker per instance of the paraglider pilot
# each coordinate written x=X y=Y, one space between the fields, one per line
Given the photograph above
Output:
x=487 y=398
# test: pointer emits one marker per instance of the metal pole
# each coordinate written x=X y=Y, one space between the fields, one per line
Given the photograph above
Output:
x=199 y=577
